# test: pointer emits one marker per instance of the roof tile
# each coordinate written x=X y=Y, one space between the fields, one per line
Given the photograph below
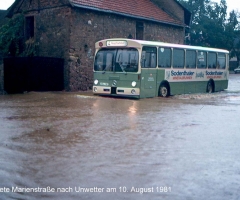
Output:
x=135 y=8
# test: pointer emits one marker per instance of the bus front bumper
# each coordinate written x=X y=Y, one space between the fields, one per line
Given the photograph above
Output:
x=116 y=91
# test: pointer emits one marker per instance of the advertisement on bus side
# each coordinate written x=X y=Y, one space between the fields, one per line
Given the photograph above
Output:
x=178 y=75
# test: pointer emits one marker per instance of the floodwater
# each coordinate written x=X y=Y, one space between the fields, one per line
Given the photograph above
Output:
x=57 y=145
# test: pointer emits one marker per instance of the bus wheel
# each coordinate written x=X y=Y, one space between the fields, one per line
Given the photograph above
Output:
x=164 y=90
x=210 y=87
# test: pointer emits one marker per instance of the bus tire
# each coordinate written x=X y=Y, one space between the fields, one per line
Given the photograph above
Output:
x=164 y=90
x=210 y=86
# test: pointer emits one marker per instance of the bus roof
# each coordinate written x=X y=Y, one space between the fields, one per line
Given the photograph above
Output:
x=139 y=43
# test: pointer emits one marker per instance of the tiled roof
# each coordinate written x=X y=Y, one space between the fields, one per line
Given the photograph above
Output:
x=144 y=9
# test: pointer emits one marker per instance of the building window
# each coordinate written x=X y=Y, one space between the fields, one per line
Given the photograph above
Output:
x=29 y=27
x=139 y=31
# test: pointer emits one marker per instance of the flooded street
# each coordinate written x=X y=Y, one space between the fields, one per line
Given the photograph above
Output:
x=78 y=146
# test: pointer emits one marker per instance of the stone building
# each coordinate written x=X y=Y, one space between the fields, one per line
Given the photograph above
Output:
x=69 y=28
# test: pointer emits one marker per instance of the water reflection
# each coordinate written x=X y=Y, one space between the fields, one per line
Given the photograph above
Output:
x=65 y=140
x=133 y=109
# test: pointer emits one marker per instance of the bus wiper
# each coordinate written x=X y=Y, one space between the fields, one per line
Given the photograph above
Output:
x=122 y=68
x=107 y=67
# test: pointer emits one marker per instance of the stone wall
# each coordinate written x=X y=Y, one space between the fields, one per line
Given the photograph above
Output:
x=87 y=27
x=51 y=28
x=163 y=33
x=52 y=34
x=67 y=32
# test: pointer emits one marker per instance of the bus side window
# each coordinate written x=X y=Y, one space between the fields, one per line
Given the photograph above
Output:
x=143 y=58
x=153 y=60
x=148 y=59
x=164 y=57
x=202 y=60
x=221 y=60
x=212 y=60
x=178 y=58
x=190 y=59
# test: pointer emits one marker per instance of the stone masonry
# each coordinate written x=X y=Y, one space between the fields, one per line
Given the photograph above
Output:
x=88 y=27
x=63 y=31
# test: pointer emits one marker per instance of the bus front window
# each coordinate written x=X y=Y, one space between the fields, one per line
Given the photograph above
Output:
x=126 y=60
x=117 y=60
x=104 y=60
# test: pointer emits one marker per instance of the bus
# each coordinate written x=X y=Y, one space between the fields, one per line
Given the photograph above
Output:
x=142 y=69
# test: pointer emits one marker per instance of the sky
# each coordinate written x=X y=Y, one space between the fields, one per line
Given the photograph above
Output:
x=5 y=4
x=231 y=4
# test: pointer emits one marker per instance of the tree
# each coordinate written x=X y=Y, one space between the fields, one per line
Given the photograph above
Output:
x=233 y=29
x=12 y=40
x=11 y=36
x=212 y=27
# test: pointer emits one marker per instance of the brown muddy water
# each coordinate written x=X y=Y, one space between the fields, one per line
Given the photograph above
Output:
x=57 y=145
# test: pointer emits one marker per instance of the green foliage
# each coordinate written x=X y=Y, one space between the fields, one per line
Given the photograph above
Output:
x=212 y=26
x=12 y=40
x=30 y=48
x=12 y=35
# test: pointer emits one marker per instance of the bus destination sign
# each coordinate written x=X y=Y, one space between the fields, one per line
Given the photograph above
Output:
x=117 y=43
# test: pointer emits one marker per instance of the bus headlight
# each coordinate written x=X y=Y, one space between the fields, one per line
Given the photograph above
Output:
x=134 y=83
x=96 y=82
x=133 y=91
x=95 y=89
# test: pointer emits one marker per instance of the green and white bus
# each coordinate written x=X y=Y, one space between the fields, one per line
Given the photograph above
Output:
x=141 y=69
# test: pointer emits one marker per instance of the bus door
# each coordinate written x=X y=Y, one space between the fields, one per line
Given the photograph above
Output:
x=148 y=72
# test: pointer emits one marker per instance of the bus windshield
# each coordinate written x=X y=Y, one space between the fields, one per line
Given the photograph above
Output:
x=117 y=60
